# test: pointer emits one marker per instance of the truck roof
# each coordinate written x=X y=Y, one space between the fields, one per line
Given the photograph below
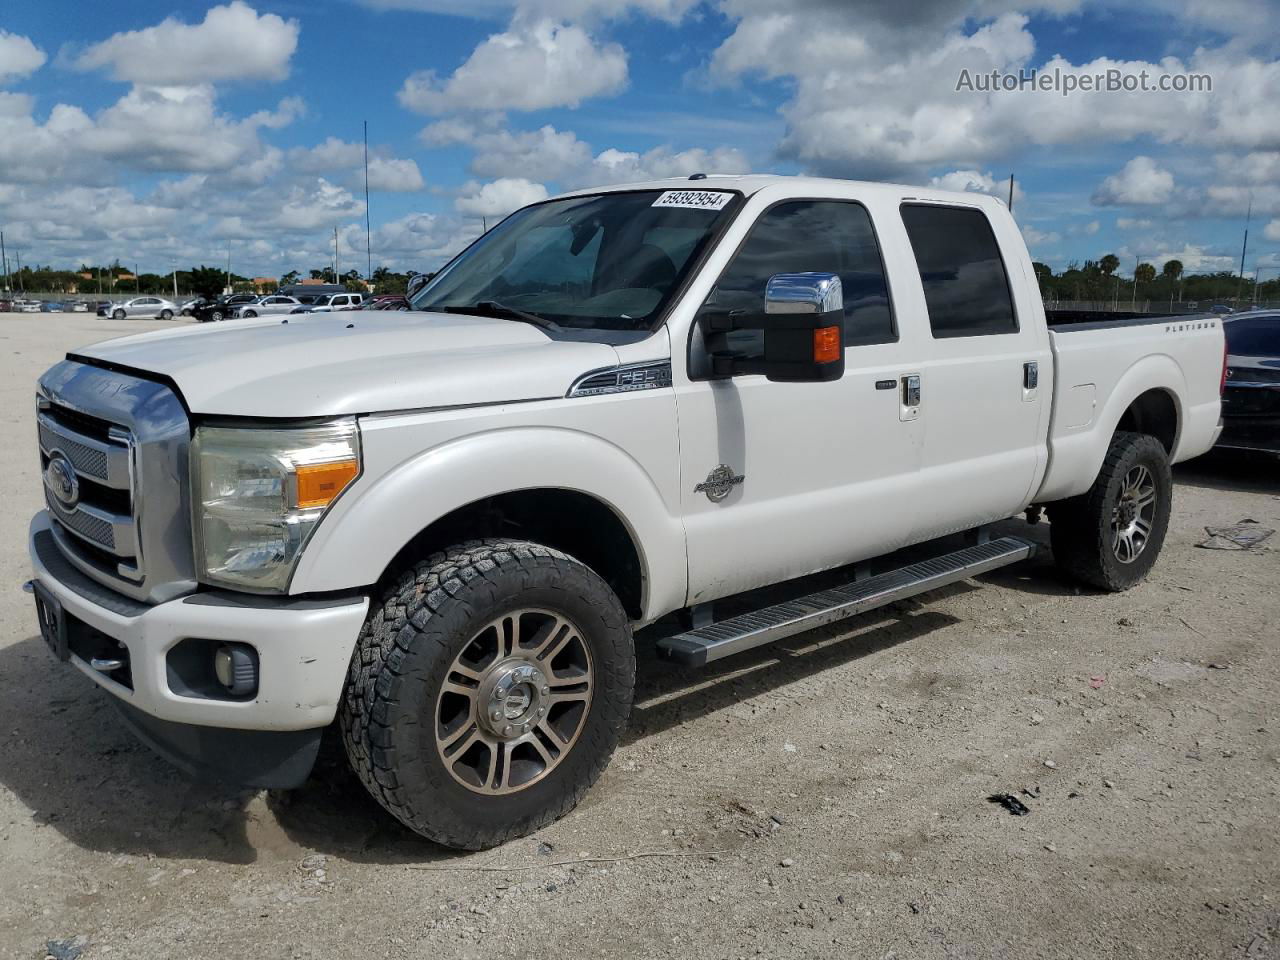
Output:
x=752 y=183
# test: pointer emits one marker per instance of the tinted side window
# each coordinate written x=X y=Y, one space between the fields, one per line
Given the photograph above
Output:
x=805 y=236
x=965 y=284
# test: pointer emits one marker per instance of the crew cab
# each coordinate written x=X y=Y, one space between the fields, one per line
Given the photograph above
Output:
x=617 y=408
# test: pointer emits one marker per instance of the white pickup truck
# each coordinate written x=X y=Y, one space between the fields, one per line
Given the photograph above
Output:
x=440 y=528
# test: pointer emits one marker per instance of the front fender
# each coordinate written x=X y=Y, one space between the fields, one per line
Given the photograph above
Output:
x=397 y=498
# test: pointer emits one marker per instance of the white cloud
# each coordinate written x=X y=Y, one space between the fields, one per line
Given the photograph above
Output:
x=975 y=181
x=568 y=10
x=1131 y=223
x=558 y=156
x=532 y=66
x=338 y=156
x=233 y=42
x=1039 y=239
x=498 y=198
x=18 y=56
x=876 y=97
x=1141 y=183
x=395 y=175
x=1272 y=231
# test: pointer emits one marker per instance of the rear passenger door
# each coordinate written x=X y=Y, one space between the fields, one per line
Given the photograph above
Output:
x=982 y=401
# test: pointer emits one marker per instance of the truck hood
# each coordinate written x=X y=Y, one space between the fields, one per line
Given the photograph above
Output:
x=329 y=364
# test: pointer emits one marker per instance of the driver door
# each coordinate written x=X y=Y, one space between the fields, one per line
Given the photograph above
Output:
x=779 y=480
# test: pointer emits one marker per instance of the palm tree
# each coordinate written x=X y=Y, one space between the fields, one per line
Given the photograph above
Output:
x=1109 y=264
x=1144 y=273
x=1172 y=271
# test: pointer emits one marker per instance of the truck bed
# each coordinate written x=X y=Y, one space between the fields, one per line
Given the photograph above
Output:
x=1103 y=362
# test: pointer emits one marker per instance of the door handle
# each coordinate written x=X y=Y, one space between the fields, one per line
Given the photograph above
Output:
x=1030 y=375
x=909 y=397
x=911 y=390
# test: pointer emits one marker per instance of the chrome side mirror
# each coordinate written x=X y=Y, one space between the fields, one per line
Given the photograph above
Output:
x=416 y=283
x=803 y=293
x=803 y=325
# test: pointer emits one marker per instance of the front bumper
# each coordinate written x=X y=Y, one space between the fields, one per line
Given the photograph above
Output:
x=303 y=646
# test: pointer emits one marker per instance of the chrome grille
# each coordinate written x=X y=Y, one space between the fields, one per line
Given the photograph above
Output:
x=99 y=452
x=95 y=529
x=90 y=460
x=118 y=494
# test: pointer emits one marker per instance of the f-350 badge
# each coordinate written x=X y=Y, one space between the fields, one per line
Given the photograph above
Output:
x=719 y=483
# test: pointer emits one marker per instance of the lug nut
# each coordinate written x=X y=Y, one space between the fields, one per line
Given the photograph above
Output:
x=506 y=731
x=545 y=690
x=525 y=728
x=541 y=711
x=500 y=694
x=497 y=714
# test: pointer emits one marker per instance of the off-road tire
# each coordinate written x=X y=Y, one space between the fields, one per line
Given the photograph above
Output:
x=1080 y=528
x=413 y=633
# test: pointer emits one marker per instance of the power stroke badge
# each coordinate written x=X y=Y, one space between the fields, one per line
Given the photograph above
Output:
x=719 y=483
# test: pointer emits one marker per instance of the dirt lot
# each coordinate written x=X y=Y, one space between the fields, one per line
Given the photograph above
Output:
x=825 y=797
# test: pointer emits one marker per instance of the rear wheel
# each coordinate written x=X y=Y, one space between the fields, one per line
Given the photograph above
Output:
x=166 y=314
x=488 y=691
x=216 y=316
x=1111 y=536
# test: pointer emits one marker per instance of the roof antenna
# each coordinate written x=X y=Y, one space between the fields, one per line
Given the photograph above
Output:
x=698 y=176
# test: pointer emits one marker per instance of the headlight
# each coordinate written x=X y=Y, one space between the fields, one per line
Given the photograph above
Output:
x=259 y=494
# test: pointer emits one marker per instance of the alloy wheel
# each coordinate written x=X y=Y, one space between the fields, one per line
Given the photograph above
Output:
x=514 y=701
x=1133 y=516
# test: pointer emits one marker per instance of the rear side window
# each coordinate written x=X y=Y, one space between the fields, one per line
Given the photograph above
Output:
x=965 y=284
x=803 y=236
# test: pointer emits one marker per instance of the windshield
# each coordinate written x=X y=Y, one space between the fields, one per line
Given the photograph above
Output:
x=609 y=261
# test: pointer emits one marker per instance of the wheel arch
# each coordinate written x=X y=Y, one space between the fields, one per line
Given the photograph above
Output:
x=1146 y=398
x=572 y=491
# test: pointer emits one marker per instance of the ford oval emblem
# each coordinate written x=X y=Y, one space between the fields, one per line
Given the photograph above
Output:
x=61 y=478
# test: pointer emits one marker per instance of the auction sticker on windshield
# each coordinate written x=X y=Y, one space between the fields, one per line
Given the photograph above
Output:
x=694 y=199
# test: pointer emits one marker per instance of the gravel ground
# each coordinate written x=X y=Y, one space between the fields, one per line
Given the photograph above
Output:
x=826 y=796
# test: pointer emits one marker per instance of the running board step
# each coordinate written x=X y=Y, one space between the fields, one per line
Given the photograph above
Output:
x=749 y=630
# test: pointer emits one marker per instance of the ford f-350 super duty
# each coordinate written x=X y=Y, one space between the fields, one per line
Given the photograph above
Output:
x=437 y=530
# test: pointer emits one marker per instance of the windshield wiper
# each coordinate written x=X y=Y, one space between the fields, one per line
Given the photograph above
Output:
x=495 y=309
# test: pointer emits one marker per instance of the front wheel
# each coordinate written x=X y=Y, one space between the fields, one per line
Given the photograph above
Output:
x=118 y=315
x=488 y=691
x=216 y=316
x=1111 y=536
x=249 y=313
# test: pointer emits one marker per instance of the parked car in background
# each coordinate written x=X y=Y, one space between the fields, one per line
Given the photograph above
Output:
x=337 y=301
x=6 y=304
x=266 y=306
x=1251 y=397
x=51 y=306
x=187 y=306
x=211 y=311
x=144 y=308
x=390 y=301
x=77 y=306
x=26 y=306
x=1220 y=309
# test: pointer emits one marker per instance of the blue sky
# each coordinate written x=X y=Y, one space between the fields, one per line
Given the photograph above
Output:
x=162 y=133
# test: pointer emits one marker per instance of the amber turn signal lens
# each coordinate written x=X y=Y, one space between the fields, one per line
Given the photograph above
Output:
x=826 y=344
x=320 y=483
